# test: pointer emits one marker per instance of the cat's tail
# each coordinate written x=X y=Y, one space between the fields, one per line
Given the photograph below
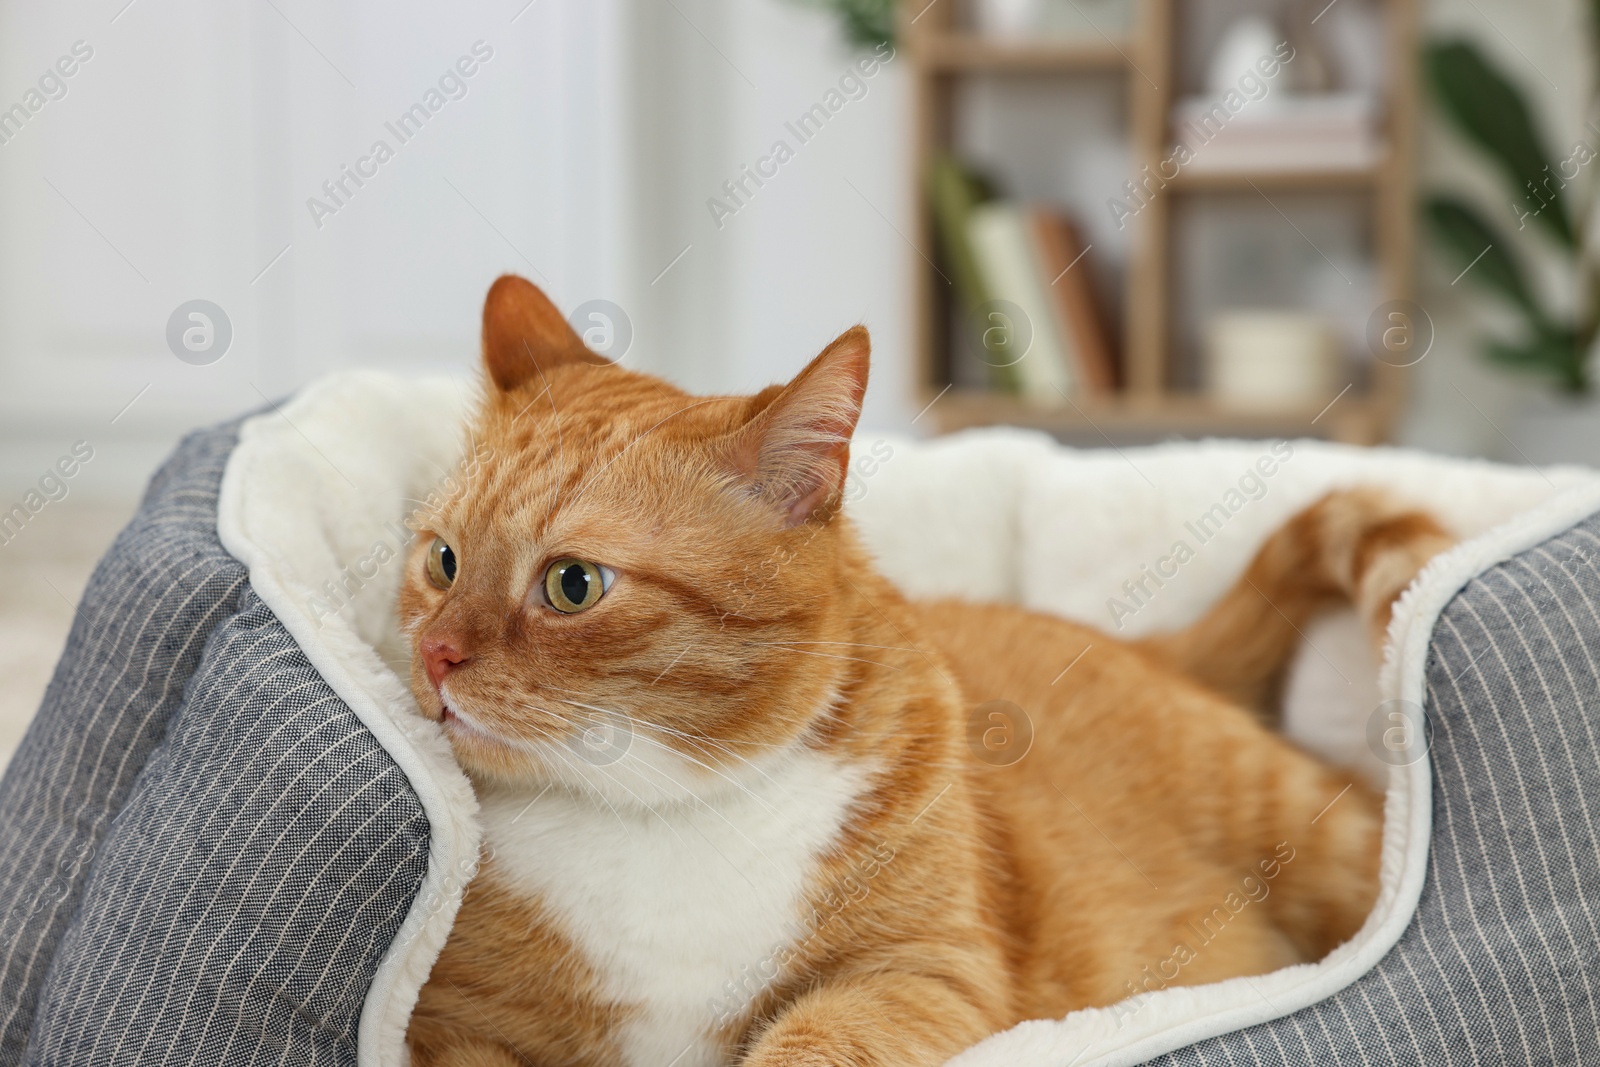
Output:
x=1358 y=545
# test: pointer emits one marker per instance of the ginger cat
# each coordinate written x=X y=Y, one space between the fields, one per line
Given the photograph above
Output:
x=730 y=807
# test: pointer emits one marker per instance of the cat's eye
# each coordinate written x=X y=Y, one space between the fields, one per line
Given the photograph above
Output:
x=441 y=564
x=574 y=585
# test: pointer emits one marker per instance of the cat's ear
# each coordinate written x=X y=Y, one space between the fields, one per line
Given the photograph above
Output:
x=524 y=334
x=795 y=451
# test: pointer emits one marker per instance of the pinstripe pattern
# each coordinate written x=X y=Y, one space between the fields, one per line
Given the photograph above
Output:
x=211 y=852
x=1502 y=962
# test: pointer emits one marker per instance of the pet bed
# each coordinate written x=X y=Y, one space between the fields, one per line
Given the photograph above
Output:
x=228 y=838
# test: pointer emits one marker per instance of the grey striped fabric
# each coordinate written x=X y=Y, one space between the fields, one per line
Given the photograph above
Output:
x=206 y=852
x=1501 y=964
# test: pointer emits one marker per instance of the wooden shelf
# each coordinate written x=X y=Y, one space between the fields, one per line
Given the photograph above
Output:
x=962 y=52
x=942 y=51
x=1355 y=418
x=1360 y=177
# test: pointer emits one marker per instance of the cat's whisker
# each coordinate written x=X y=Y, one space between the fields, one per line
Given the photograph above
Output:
x=643 y=725
x=676 y=732
x=844 y=644
x=555 y=750
x=695 y=741
x=699 y=743
x=532 y=402
x=642 y=766
x=640 y=726
x=720 y=746
x=547 y=750
x=704 y=803
x=824 y=655
x=651 y=808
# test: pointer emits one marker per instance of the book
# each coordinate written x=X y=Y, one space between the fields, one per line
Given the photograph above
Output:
x=1324 y=131
x=953 y=194
x=1080 y=318
x=1006 y=259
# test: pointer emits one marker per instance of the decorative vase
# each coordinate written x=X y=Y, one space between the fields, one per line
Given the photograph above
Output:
x=1007 y=18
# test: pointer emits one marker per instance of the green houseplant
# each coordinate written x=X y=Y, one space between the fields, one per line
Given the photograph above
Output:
x=865 y=23
x=1552 y=201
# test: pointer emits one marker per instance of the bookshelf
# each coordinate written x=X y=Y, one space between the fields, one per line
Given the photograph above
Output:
x=1151 y=403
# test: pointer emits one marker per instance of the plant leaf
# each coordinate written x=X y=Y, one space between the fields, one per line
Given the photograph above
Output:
x=866 y=23
x=1481 y=252
x=1491 y=112
x=1552 y=352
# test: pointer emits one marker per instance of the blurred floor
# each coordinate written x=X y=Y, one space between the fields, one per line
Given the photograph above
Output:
x=42 y=574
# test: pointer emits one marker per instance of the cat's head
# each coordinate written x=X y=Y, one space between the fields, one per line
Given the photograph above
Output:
x=636 y=591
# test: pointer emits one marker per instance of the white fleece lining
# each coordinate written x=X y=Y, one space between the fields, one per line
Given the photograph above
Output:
x=311 y=487
x=322 y=458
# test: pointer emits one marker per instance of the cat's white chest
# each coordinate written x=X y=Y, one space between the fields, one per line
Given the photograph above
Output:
x=684 y=913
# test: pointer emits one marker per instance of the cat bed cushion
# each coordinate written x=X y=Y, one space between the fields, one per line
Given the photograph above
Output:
x=208 y=856
x=230 y=839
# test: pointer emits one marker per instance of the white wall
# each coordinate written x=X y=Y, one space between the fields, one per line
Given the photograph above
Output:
x=815 y=249
x=179 y=164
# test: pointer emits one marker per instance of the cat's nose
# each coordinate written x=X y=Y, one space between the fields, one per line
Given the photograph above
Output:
x=440 y=656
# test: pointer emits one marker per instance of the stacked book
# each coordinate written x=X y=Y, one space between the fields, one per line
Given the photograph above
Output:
x=1023 y=283
x=1326 y=131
